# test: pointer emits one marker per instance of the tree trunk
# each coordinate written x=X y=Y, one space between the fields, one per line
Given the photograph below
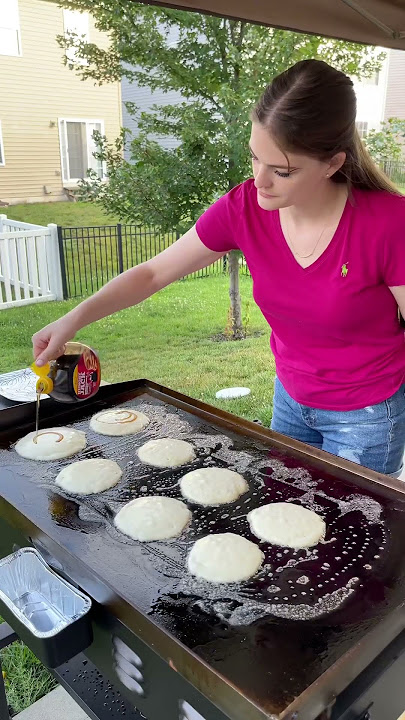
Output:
x=235 y=309
x=234 y=294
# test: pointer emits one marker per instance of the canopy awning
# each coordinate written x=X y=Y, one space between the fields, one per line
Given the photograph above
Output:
x=375 y=22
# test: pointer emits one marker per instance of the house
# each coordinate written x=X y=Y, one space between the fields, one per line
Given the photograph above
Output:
x=144 y=98
x=395 y=94
x=47 y=114
x=383 y=95
x=371 y=94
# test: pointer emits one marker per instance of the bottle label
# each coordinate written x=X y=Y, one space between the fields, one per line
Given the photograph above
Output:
x=87 y=375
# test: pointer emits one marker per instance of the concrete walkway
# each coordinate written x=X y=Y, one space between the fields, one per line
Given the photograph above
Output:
x=57 y=705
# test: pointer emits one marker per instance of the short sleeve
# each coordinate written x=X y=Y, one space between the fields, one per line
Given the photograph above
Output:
x=393 y=269
x=217 y=227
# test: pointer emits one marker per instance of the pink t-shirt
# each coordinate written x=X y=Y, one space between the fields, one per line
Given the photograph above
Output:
x=335 y=335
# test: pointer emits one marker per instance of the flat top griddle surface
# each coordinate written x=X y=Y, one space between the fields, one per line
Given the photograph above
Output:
x=273 y=636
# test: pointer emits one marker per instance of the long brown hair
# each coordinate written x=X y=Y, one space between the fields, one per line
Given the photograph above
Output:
x=311 y=109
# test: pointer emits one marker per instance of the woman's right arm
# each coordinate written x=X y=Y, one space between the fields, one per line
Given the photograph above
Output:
x=185 y=256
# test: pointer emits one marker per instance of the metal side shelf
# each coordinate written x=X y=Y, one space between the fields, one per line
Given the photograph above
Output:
x=84 y=683
x=93 y=692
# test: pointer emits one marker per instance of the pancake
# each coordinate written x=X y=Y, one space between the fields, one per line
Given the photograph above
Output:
x=287 y=525
x=213 y=486
x=118 y=421
x=166 y=452
x=224 y=558
x=51 y=444
x=88 y=477
x=153 y=518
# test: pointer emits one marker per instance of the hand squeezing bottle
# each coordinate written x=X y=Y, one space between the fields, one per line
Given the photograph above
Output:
x=73 y=377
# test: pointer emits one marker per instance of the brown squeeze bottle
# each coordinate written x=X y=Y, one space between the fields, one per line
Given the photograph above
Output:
x=73 y=377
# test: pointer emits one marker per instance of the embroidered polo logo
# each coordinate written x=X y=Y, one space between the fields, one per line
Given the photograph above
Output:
x=344 y=270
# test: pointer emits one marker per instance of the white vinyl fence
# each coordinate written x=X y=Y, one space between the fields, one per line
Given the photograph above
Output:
x=29 y=263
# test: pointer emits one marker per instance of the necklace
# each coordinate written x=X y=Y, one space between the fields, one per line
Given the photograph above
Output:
x=293 y=248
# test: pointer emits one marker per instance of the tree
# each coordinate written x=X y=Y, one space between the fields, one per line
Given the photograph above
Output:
x=220 y=67
x=387 y=143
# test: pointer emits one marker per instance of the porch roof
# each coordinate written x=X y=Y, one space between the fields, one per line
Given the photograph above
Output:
x=374 y=22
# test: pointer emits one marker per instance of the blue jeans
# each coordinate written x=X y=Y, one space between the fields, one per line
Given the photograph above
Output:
x=373 y=436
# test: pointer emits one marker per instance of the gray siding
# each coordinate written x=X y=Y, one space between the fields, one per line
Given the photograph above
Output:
x=144 y=98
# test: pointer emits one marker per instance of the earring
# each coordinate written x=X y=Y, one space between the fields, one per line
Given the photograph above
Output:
x=327 y=174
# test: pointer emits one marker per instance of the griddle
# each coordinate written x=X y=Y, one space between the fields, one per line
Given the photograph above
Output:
x=282 y=645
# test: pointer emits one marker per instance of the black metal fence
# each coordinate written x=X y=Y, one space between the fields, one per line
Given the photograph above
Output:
x=395 y=171
x=90 y=256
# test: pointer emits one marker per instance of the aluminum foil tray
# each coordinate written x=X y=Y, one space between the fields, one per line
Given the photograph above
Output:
x=44 y=609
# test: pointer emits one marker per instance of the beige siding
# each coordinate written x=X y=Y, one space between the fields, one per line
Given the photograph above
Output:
x=395 y=98
x=36 y=90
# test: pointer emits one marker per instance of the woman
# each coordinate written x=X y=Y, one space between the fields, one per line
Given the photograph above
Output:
x=323 y=233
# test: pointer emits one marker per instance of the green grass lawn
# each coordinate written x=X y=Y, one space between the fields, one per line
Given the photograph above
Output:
x=168 y=339
x=68 y=214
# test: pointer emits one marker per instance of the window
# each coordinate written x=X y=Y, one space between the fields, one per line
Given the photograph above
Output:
x=78 y=23
x=10 y=40
x=77 y=147
x=2 y=158
x=362 y=128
